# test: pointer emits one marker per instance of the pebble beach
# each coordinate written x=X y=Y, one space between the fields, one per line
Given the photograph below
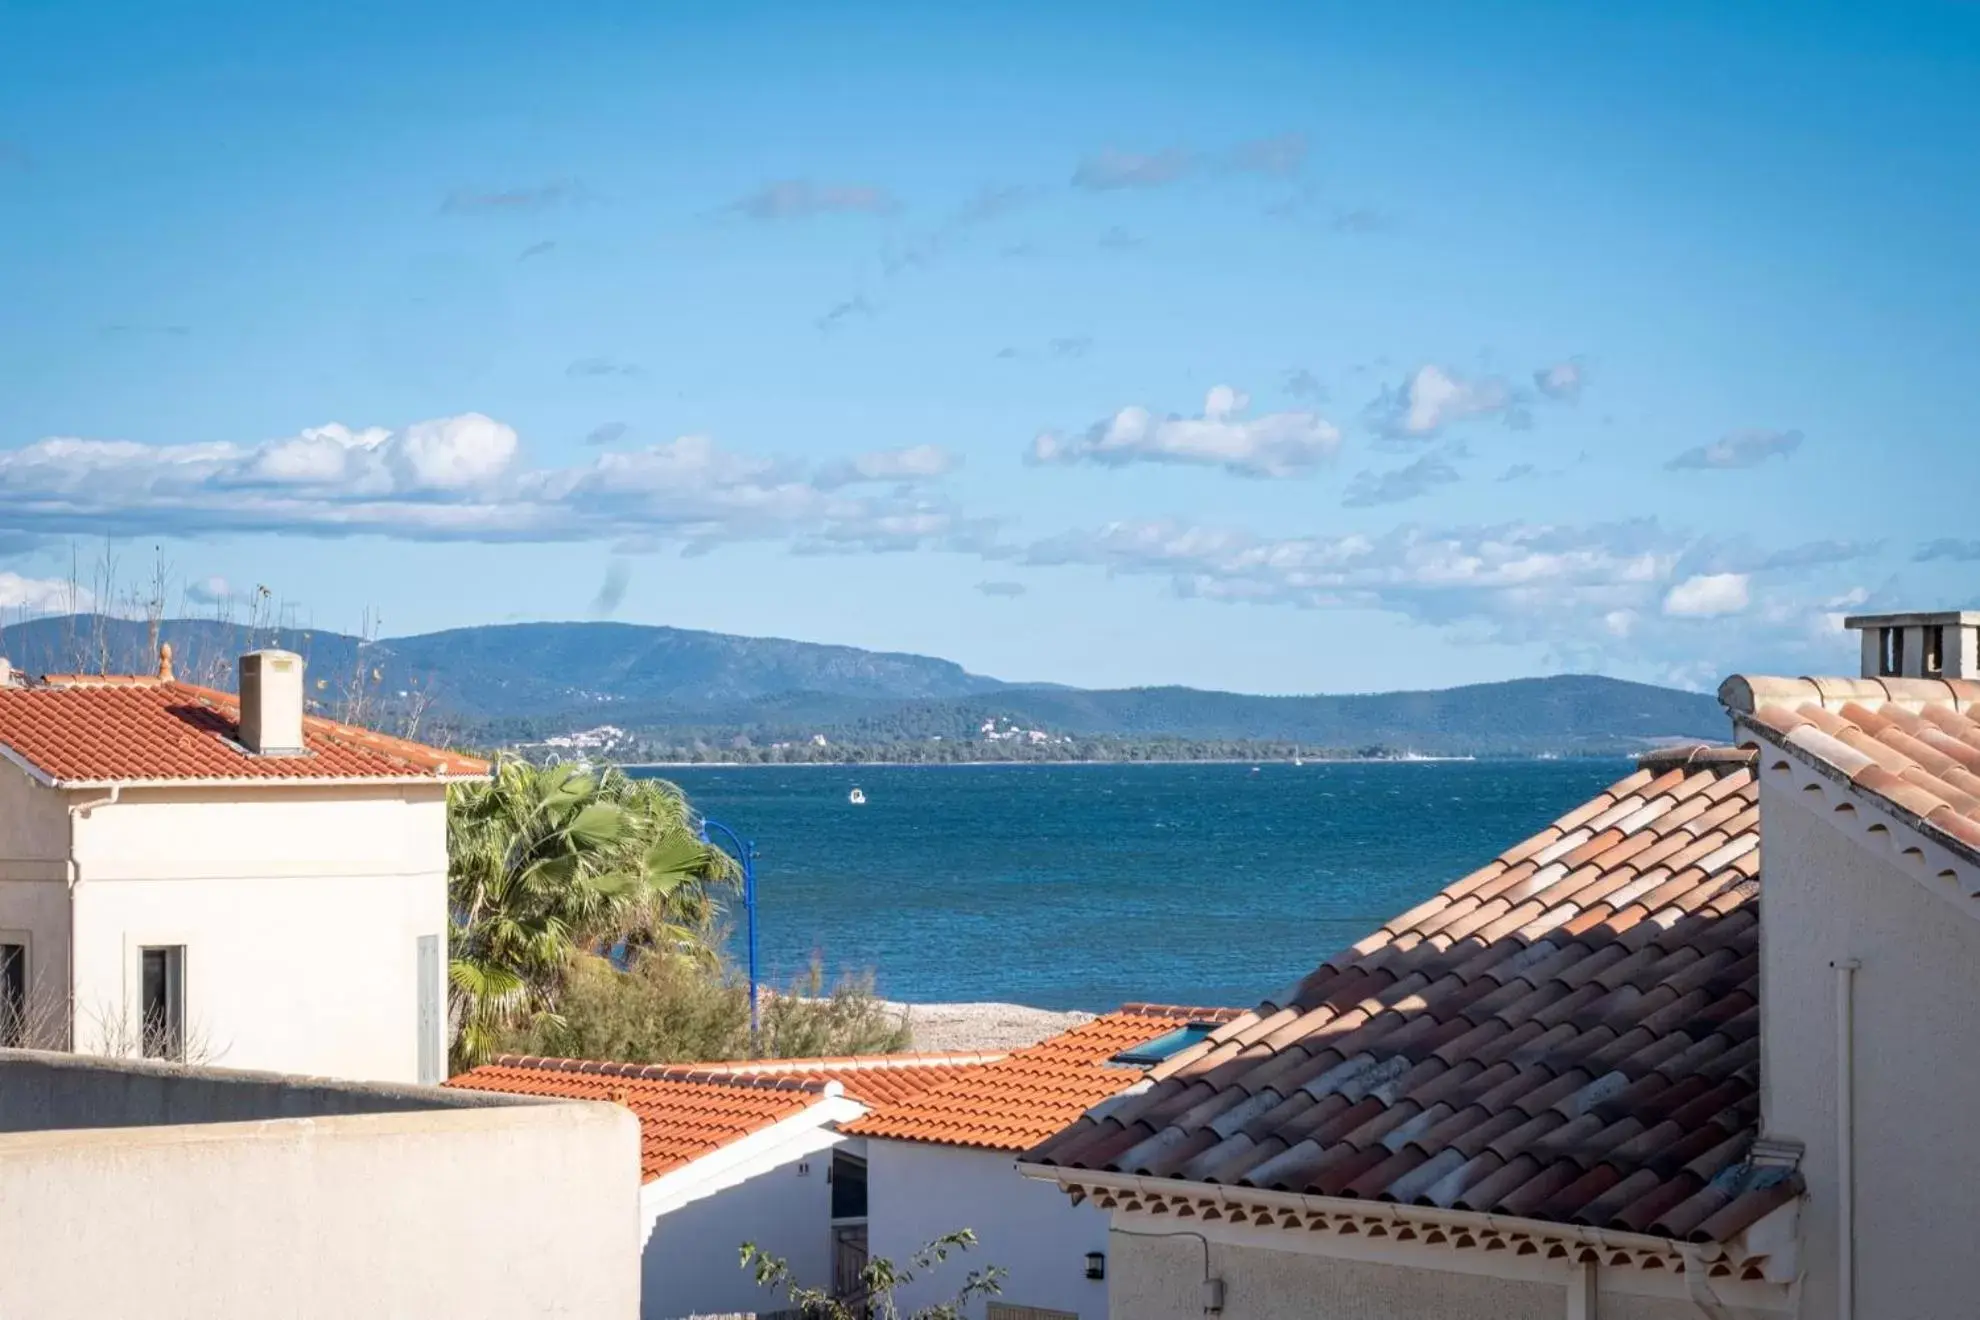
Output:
x=943 y=1027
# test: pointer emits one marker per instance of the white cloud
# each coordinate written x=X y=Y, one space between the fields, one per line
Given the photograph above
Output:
x=209 y=591
x=1563 y=380
x=1280 y=444
x=1277 y=156
x=1613 y=597
x=914 y=463
x=1739 y=449
x=1517 y=577
x=1408 y=482
x=462 y=478
x=26 y=595
x=1947 y=547
x=1112 y=169
x=1829 y=619
x=797 y=199
x=1708 y=596
x=453 y=453
x=317 y=456
x=450 y=455
x=1432 y=398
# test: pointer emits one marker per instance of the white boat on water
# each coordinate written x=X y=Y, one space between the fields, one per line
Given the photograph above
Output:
x=857 y=797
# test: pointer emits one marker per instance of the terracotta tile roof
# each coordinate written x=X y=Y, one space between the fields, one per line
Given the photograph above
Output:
x=1020 y=1100
x=871 y=1079
x=1913 y=743
x=89 y=730
x=1569 y=1034
x=681 y=1118
x=686 y=1111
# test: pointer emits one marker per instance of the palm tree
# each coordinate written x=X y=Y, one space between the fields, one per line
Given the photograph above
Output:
x=545 y=862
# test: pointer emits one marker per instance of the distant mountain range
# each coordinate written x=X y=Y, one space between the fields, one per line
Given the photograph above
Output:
x=673 y=687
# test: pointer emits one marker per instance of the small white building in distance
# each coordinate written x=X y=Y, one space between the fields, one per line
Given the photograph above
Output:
x=189 y=876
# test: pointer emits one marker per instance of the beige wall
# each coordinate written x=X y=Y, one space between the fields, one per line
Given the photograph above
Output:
x=1832 y=894
x=300 y=911
x=1162 y=1279
x=486 y=1212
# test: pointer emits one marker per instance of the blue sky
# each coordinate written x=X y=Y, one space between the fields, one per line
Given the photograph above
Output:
x=1277 y=348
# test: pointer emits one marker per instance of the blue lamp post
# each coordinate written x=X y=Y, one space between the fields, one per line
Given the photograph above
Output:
x=744 y=852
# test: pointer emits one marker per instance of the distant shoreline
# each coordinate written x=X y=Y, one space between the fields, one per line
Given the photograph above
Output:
x=1150 y=760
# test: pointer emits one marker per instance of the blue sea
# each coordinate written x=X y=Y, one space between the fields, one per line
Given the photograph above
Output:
x=1085 y=886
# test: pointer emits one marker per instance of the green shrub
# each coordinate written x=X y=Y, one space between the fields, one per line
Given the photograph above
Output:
x=668 y=1008
x=807 y=1022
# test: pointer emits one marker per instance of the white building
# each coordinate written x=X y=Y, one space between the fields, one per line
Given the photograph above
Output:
x=738 y=1152
x=1587 y=1080
x=1870 y=822
x=193 y=877
x=947 y=1159
x=829 y=1162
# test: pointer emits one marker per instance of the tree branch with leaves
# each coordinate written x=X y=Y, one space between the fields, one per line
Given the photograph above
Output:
x=879 y=1281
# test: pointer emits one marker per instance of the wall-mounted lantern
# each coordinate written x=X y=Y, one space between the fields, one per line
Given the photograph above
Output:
x=1096 y=1265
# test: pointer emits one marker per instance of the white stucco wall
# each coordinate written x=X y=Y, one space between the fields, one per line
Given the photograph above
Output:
x=34 y=895
x=917 y=1191
x=1831 y=895
x=494 y=1213
x=1162 y=1279
x=300 y=910
x=692 y=1263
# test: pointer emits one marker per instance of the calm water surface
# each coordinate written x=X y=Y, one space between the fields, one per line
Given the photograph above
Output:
x=1086 y=886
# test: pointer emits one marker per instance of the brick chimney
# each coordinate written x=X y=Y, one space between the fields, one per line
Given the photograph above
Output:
x=1942 y=644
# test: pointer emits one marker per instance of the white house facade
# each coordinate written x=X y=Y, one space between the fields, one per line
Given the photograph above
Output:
x=182 y=883
x=827 y=1163
x=1587 y=1080
x=738 y=1152
x=1041 y=1241
x=1870 y=821
x=947 y=1159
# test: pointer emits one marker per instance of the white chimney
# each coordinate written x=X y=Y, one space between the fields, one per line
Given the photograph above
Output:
x=1943 y=644
x=272 y=703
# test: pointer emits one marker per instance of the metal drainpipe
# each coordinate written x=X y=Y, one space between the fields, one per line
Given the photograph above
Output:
x=77 y=810
x=1846 y=1137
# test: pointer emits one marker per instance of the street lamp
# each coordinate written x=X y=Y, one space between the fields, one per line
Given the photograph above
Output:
x=745 y=852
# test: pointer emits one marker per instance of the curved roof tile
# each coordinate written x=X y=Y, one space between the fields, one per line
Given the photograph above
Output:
x=1567 y=1034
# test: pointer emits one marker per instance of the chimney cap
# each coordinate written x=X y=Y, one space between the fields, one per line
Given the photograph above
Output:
x=1915 y=619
